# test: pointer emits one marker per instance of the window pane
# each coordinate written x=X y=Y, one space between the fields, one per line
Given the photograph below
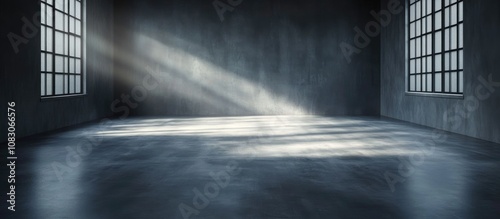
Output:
x=66 y=44
x=461 y=82
x=412 y=66
x=49 y=15
x=438 y=5
x=429 y=24
x=66 y=6
x=418 y=47
x=49 y=62
x=438 y=63
x=59 y=4
x=429 y=83
x=49 y=39
x=429 y=64
x=418 y=85
x=412 y=12
x=437 y=82
x=59 y=84
x=447 y=17
x=59 y=42
x=412 y=83
x=447 y=39
x=429 y=6
x=78 y=46
x=78 y=27
x=460 y=36
x=72 y=25
x=412 y=48
x=72 y=84
x=424 y=45
x=438 y=39
x=71 y=45
x=418 y=32
x=424 y=64
x=78 y=66
x=78 y=84
x=461 y=59
x=66 y=65
x=42 y=62
x=72 y=7
x=49 y=84
x=424 y=25
x=71 y=65
x=454 y=78
x=42 y=84
x=424 y=82
x=447 y=61
x=429 y=44
x=59 y=64
x=42 y=14
x=446 y=82
x=65 y=81
x=59 y=21
x=418 y=13
x=454 y=38
x=419 y=64
x=77 y=8
x=454 y=15
x=424 y=7
x=460 y=11
x=412 y=30
x=42 y=35
x=438 y=21
x=66 y=21
x=454 y=59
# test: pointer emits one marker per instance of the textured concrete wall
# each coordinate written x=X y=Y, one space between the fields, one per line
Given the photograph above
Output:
x=20 y=79
x=266 y=57
x=475 y=115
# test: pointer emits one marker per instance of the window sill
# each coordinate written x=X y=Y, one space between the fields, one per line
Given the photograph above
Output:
x=62 y=97
x=436 y=95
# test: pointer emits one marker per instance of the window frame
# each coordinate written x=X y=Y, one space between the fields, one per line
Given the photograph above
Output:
x=66 y=54
x=459 y=70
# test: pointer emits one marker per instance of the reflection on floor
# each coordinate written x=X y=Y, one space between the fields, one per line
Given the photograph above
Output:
x=257 y=167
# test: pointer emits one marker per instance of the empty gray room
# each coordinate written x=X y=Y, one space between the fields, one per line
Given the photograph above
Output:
x=250 y=109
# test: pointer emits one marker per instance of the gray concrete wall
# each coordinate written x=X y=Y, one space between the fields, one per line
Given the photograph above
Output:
x=266 y=57
x=20 y=79
x=477 y=114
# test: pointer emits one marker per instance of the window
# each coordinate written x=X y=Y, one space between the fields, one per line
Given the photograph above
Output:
x=435 y=42
x=62 y=48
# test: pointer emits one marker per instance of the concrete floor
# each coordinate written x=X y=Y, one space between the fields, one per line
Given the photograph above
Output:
x=256 y=167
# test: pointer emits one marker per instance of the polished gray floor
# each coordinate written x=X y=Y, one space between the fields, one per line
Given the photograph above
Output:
x=256 y=167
